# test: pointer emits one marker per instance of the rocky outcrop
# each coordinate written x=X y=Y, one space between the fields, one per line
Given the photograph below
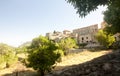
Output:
x=107 y=65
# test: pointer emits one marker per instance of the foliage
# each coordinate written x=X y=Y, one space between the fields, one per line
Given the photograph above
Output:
x=116 y=45
x=84 y=7
x=43 y=54
x=108 y=29
x=23 y=48
x=112 y=17
x=2 y=62
x=66 y=44
x=7 y=55
x=104 y=38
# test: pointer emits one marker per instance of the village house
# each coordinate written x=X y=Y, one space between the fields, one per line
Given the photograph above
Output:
x=86 y=34
x=57 y=36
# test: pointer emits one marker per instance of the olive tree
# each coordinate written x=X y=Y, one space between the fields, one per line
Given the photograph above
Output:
x=104 y=38
x=43 y=54
x=67 y=44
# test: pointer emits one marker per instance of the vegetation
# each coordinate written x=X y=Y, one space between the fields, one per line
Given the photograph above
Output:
x=43 y=54
x=111 y=15
x=67 y=44
x=84 y=7
x=23 y=48
x=7 y=56
x=116 y=45
x=104 y=38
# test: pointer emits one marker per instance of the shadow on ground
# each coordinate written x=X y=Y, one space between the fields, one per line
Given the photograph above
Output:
x=106 y=65
x=22 y=73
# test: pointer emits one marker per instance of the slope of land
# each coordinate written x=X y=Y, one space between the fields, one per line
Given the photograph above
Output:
x=76 y=58
x=106 y=65
x=79 y=57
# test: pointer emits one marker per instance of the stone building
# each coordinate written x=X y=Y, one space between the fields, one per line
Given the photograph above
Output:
x=66 y=32
x=86 y=34
x=57 y=36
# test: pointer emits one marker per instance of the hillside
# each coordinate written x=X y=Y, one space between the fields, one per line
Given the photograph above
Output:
x=84 y=63
x=106 y=65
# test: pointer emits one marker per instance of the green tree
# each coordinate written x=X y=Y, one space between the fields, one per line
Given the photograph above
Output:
x=84 y=7
x=43 y=54
x=111 y=15
x=67 y=44
x=7 y=55
x=104 y=38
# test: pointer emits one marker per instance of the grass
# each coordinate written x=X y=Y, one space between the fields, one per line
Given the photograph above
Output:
x=71 y=59
x=81 y=57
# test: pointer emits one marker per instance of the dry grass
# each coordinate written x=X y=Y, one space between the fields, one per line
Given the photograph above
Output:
x=72 y=59
x=81 y=57
x=18 y=67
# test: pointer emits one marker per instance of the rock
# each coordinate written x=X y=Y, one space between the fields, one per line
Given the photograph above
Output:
x=88 y=71
x=94 y=68
x=107 y=66
x=94 y=74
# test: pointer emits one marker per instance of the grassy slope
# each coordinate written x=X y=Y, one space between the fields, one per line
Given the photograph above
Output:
x=72 y=59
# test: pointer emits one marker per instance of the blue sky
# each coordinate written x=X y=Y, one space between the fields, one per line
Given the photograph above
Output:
x=22 y=20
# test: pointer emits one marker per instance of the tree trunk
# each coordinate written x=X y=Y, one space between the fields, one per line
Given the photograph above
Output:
x=41 y=72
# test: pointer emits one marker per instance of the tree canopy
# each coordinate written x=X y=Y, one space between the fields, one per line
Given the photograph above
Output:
x=43 y=54
x=111 y=15
x=84 y=7
x=105 y=39
x=66 y=44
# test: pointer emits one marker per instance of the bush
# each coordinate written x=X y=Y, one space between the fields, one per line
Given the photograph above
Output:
x=11 y=61
x=116 y=45
x=67 y=44
x=105 y=39
x=7 y=56
x=2 y=62
x=43 y=54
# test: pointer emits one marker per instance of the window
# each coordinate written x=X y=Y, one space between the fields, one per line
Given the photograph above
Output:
x=82 y=38
x=86 y=37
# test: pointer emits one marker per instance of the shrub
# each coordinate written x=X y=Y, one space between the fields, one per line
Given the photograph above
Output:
x=43 y=54
x=116 y=45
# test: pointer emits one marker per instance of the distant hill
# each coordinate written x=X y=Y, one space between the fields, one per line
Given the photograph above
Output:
x=5 y=47
x=25 y=44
